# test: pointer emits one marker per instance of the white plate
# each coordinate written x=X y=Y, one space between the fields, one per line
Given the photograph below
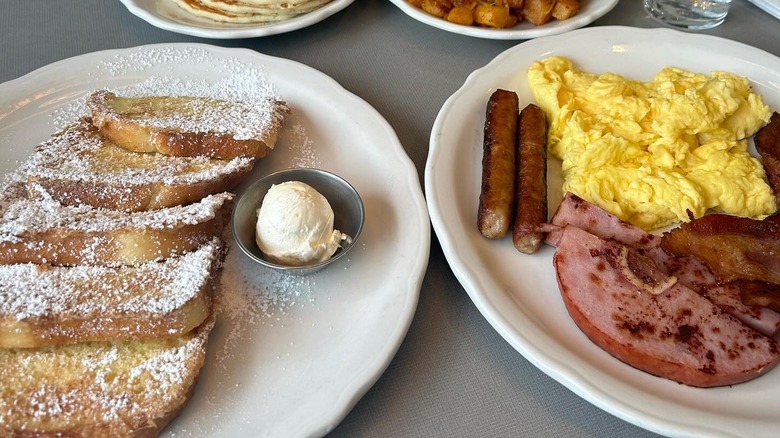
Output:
x=166 y=15
x=518 y=294
x=591 y=10
x=290 y=356
x=770 y=6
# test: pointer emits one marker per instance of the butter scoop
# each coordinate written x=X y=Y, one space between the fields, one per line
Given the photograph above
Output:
x=295 y=225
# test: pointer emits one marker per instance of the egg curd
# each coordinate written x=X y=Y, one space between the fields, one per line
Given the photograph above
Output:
x=650 y=152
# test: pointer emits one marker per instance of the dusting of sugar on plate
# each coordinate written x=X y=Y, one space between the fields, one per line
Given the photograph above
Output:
x=249 y=296
x=304 y=153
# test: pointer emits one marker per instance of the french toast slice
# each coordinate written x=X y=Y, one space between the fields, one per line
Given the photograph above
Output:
x=79 y=166
x=35 y=228
x=123 y=388
x=188 y=125
x=44 y=305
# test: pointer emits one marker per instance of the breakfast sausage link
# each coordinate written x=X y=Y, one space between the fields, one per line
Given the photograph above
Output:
x=531 y=193
x=498 y=165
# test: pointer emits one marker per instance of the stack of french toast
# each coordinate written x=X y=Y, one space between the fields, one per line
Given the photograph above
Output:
x=110 y=240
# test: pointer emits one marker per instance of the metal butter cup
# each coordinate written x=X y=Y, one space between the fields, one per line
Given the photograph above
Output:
x=348 y=214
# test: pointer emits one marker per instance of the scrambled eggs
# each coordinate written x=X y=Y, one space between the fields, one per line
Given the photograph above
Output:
x=651 y=152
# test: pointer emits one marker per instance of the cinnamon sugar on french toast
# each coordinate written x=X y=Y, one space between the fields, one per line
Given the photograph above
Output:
x=77 y=166
x=44 y=305
x=188 y=126
x=131 y=388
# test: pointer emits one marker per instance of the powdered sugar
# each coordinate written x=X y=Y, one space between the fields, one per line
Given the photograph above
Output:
x=151 y=58
x=263 y=297
x=24 y=214
x=251 y=300
x=257 y=107
x=243 y=118
x=52 y=294
x=303 y=147
x=249 y=296
x=109 y=383
x=80 y=154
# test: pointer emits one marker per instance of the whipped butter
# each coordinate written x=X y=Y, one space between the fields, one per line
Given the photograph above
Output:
x=295 y=225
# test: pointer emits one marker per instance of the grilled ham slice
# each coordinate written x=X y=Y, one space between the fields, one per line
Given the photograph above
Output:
x=689 y=271
x=650 y=321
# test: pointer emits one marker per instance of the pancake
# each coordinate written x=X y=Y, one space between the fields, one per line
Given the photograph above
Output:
x=249 y=11
x=255 y=6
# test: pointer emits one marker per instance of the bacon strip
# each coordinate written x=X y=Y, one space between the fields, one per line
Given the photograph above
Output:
x=734 y=247
x=767 y=141
x=758 y=293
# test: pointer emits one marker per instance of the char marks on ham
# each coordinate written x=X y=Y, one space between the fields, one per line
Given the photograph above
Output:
x=651 y=321
x=688 y=270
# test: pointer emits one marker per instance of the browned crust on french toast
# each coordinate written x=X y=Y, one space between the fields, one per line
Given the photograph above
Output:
x=44 y=305
x=117 y=371
x=34 y=228
x=103 y=194
x=114 y=247
x=110 y=326
x=79 y=166
x=182 y=144
x=132 y=130
x=100 y=389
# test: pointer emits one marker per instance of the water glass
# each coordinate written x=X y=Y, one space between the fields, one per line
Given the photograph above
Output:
x=688 y=14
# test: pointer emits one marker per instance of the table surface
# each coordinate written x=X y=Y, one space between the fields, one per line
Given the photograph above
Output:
x=453 y=374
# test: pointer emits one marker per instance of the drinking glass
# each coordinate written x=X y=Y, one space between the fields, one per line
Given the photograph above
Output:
x=688 y=14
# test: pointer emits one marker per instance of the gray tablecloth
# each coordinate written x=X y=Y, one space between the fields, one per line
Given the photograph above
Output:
x=453 y=376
